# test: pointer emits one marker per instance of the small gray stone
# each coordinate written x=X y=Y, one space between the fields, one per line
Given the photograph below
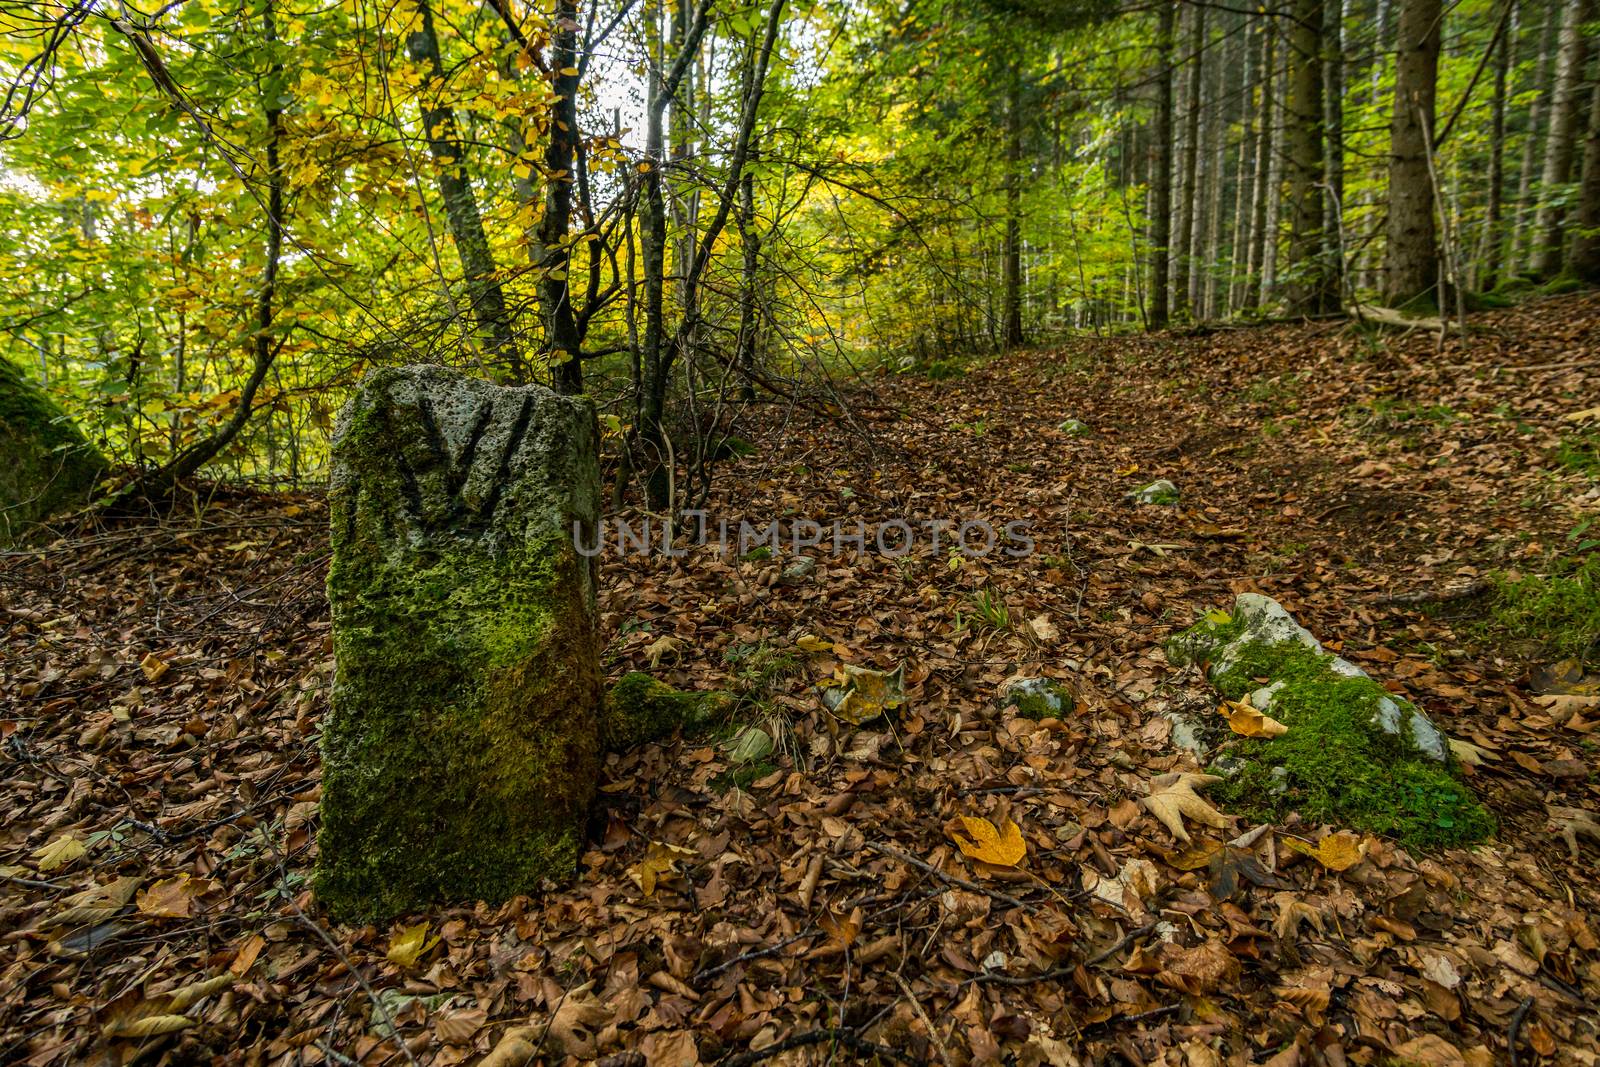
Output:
x=1159 y=491
x=1074 y=427
x=800 y=568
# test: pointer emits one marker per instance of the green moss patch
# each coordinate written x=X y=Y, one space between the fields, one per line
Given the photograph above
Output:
x=1559 y=611
x=639 y=709
x=1337 y=765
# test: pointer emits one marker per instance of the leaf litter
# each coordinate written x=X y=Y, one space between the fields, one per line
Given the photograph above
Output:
x=165 y=682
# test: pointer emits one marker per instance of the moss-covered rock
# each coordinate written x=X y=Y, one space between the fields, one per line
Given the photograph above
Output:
x=1354 y=753
x=639 y=708
x=1040 y=698
x=463 y=745
x=49 y=465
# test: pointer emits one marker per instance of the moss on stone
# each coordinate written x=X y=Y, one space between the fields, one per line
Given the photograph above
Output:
x=463 y=747
x=49 y=464
x=1340 y=767
x=639 y=709
x=1041 y=698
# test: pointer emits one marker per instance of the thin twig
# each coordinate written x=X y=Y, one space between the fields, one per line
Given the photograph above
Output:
x=1514 y=1032
x=923 y=865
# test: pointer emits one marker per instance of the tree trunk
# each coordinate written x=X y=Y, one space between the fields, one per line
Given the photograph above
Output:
x=1262 y=191
x=1493 y=240
x=1310 y=292
x=1189 y=204
x=1560 y=148
x=1013 y=250
x=1333 y=76
x=461 y=207
x=1585 y=261
x=554 y=260
x=1161 y=170
x=1411 y=260
x=1274 y=186
x=1534 y=138
x=1243 y=200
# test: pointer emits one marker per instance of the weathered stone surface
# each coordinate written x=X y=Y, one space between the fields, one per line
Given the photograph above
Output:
x=1073 y=427
x=1259 y=621
x=1159 y=491
x=49 y=465
x=463 y=745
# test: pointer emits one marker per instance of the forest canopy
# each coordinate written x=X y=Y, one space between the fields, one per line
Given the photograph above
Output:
x=219 y=215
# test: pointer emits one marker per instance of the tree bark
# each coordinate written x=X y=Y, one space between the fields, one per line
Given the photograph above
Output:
x=1560 y=148
x=1262 y=192
x=554 y=260
x=1161 y=171
x=1494 y=225
x=1012 y=310
x=1411 y=258
x=1310 y=292
x=1585 y=261
x=1189 y=203
x=1534 y=137
x=461 y=208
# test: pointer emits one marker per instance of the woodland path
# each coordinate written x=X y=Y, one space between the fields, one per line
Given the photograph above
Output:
x=1338 y=479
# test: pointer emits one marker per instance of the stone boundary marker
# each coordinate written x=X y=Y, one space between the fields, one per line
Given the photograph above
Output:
x=463 y=744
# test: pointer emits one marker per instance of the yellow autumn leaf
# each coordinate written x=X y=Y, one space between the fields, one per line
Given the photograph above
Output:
x=1002 y=846
x=147 y=1026
x=154 y=667
x=60 y=851
x=813 y=644
x=409 y=945
x=660 y=859
x=1218 y=617
x=861 y=694
x=663 y=646
x=1337 y=852
x=1245 y=719
x=169 y=898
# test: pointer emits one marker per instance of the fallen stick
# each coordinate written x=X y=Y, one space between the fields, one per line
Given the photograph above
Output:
x=923 y=865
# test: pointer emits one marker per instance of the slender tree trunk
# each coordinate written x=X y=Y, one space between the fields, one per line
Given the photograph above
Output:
x=1189 y=203
x=1411 y=260
x=1333 y=79
x=1261 y=191
x=1534 y=138
x=750 y=242
x=1239 y=254
x=461 y=206
x=1585 y=261
x=1493 y=238
x=1560 y=148
x=1013 y=241
x=554 y=260
x=1161 y=170
x=1310 y=292
x=1208 y=253
x=1274 y=191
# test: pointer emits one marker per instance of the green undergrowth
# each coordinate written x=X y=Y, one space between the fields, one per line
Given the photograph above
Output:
x=1337 y=765
x=1580 y=453
x=1559 y=611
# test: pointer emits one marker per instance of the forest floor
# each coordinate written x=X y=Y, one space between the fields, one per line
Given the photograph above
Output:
x=164 y=683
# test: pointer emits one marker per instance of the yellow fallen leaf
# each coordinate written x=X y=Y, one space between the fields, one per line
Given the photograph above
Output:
x=1246 y=720
x=1123 y=472
x=661 y=858
x=1001 y=846
x=1218 y=617
x=169 y=898
x=148 y=1026
x=860 y=694
x=1337 y=852
x=409 y=945
x=813 y=644
x=662 y=646
x=1586 y=415
x=60 y=851
x=1173 y=798
x=1469 y=754
x=154 y=666
x=1195 y=856
x=95 y=904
